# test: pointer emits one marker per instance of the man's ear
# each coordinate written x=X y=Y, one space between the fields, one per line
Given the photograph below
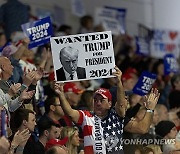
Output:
x=52 y=107
x=24 y=122
x=46 y=133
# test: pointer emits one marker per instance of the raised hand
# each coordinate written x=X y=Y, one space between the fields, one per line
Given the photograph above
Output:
x=4 y=145
x=118 y=74
x=26 y=41
x=26 y=95
x=14 y=88
x=59 y=88
x=152 y=99
x=38 y=75
x=20 y=138
x=28 y=78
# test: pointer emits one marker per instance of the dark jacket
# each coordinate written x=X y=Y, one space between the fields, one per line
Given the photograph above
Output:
x=81 y=74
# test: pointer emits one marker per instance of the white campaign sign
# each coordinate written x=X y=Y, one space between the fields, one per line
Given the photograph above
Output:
x=108 y=18
x=165 y=42
x=95 y=56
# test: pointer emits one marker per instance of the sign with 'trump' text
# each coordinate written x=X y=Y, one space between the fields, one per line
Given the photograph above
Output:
x=39 y=32
x=144 y=83
x=83 y=56
x=170 y=64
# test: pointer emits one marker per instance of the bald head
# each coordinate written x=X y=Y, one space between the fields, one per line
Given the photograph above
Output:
x=69 y=59
x=6 y=68
x=162 y=112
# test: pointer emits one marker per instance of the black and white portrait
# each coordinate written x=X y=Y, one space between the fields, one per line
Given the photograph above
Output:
x=70 y=71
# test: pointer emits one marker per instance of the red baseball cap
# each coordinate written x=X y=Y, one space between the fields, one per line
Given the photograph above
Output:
x=54 y=142
x=131 y=70
x=128 y=74
x=105 y=93
x=71 y=87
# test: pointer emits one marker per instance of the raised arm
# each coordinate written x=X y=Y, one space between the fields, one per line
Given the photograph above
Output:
x=74 y=114
x=142 y=126
x=121 y=104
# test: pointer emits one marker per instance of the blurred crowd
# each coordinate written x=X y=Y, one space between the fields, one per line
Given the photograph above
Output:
x=37 y=117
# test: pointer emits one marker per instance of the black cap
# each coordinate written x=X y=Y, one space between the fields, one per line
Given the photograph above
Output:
x=163 y=128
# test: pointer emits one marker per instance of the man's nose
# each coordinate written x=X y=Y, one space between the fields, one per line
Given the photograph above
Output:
x=71 y=64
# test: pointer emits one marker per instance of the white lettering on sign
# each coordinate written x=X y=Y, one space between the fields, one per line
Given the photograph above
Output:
x=38 y=28
x=172 y=62
x=147 y=83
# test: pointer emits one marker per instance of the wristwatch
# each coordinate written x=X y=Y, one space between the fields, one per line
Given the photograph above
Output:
x=149 y=110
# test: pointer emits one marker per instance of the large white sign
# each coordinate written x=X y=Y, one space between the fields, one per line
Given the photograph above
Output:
x=83 y=56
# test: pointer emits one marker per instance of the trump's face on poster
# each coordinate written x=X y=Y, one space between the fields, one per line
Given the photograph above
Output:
x=69 y=59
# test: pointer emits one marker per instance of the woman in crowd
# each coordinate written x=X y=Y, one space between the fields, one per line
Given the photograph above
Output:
x=73 y=139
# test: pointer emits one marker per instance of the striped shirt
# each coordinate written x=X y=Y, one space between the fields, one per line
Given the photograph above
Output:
x=110 y=129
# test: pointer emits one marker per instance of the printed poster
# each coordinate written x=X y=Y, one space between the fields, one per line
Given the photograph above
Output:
x=83 y=56
x=110 y=19
x=39 y=32
x=144 y=84
x=170 y=64
x=165 y=42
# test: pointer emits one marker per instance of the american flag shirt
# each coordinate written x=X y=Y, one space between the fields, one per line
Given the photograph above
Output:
x=112 y=130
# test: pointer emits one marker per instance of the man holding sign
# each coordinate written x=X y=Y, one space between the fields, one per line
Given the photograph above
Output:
x=102 y=129
x=70 y=70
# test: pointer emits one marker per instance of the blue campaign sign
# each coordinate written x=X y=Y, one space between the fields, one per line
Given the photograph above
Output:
x=39 y=32
x=142 y=46
x=144 y=83
x=170 y=64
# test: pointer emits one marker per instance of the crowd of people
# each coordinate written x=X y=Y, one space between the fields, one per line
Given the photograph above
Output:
x=41 y=116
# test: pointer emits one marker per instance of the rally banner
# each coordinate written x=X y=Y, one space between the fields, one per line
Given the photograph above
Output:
x=110 y=20
x=165 y=42
x=144 y=83
x=83 y=56
x=39 y=32
x=170 y=64
x=142 y=46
